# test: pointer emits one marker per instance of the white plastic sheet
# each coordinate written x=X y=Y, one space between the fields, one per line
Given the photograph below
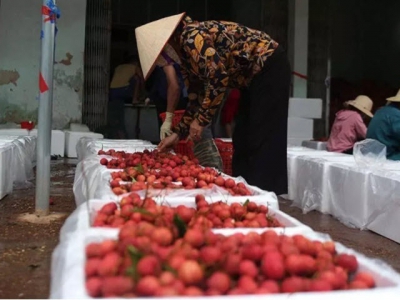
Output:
x=6 y=181
x=312 y=182
x=361 y=195
x=89 y=146
x=92 y=181
x=68 y=275
x=369 y=153
x=383 y=193
x=23 y=157
x=358 y=194
x=295 y=175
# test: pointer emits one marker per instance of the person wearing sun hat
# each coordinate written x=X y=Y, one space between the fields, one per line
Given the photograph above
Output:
x=349 y=127
x=204 y=149
x=385 y=127
x=226 y=55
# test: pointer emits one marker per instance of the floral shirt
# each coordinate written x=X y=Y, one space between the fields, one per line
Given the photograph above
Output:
x=218 y=54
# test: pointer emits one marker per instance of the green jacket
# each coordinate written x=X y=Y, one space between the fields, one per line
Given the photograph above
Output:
x=385 y=128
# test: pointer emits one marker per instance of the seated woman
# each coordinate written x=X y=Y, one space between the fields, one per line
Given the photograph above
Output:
x=385 y=127
x=349 y=126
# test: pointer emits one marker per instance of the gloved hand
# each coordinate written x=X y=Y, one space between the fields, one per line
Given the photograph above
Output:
x=165 y=129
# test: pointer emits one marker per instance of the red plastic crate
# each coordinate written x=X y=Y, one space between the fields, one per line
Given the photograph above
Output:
x=183 y=147
x=226 y=151
x=178 y=114
x=29 y=125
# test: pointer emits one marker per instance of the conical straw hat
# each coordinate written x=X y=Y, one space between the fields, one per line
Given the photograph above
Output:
x=151 y=39
x=395 y=98
x=362 y=103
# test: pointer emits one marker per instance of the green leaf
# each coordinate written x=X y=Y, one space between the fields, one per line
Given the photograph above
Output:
x=246 y=203
x=180 y=225
x=142 y=211
x=139 y=168
x=131 y=272
x=169 y=269
x=133 y=180
x=135 y=256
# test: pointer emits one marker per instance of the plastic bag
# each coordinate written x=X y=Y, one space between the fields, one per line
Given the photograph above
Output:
x=369 y=153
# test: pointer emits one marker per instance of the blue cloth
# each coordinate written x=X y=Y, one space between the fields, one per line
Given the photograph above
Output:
x=125 y=93
x=385 y=128
x=161 y=85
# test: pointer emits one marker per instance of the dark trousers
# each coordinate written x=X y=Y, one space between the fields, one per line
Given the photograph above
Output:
x=348 y=151
x=260 y=136
x=116 y=112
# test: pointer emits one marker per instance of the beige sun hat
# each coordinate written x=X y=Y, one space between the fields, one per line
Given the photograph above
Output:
x=363 y=104
x=151 y=39
x=394 y=98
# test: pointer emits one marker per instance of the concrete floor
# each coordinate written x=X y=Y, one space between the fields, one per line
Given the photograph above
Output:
x=25 y=249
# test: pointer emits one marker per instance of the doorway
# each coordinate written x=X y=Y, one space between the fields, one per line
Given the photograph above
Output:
x=110 y=36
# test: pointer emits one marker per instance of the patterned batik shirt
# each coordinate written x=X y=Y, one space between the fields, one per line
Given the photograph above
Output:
x=220 y=54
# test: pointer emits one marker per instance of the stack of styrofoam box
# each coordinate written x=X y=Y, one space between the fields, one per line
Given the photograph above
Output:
x=57 y=138
x=74 y=134
x=302 y=112
x=6 y=180
x=57 y=141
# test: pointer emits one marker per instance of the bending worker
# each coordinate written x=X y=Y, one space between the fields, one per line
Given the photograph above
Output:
x=204 y=149
x=223 y=54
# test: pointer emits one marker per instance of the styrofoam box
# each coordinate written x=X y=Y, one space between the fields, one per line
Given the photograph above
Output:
x=29 y=143
x=258 y=195
x=300 y=128
x=99 y=178
x=295 y=141
x=6 y=180
x=85 y=214
x=386 y=224
x=57 y=138
x=384 y=190
x=293 y=154
x=21 y=159
x=68 y=272
x=14 y=132
x=310 y=108
x=88 y=146
x=314 y=145
x=78 y=127
x=134 y=146
x=72 y=138
x=57 y=141
x=93 y=149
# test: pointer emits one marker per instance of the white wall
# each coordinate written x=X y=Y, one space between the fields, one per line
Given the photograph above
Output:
x=298 y=44
x=20 y=26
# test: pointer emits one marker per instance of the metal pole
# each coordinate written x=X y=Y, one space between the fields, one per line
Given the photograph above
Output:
x=328 y=96
x=45 y=110
x=329 y=71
